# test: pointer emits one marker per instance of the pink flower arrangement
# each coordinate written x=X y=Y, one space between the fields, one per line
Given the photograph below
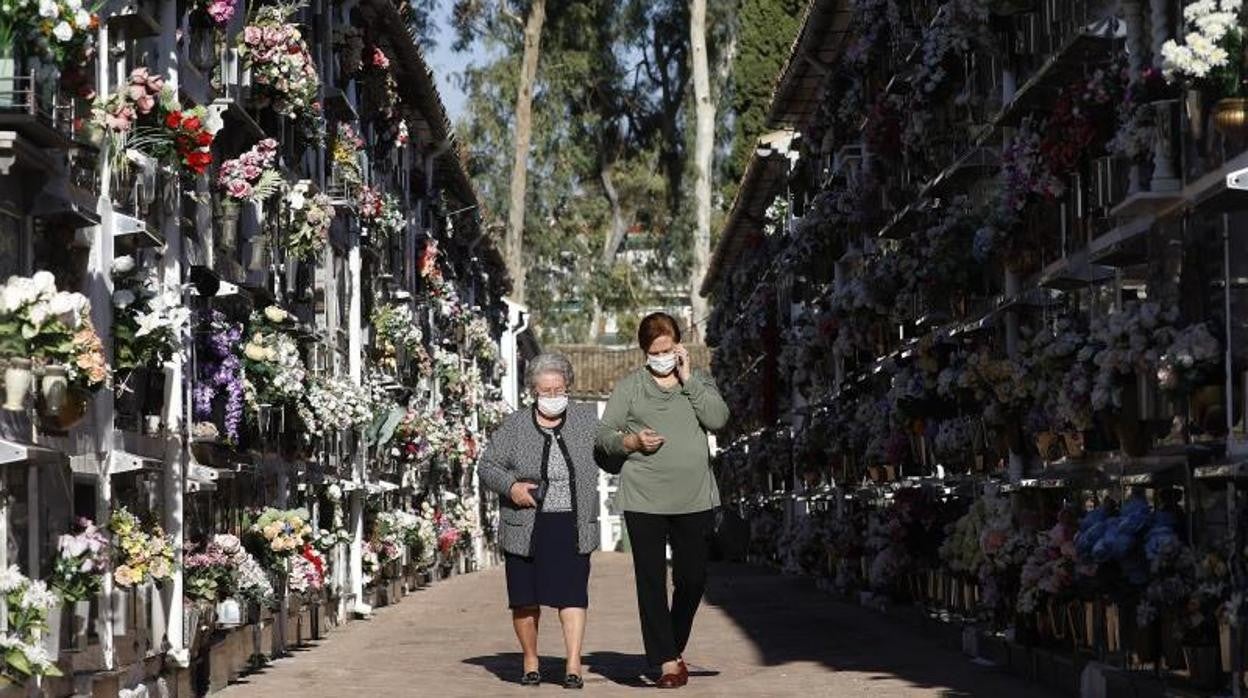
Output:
x=380 y=60
x=250 y=175
x=281 y=65
x=370 y=203
x=139 y=97
x=222 y=11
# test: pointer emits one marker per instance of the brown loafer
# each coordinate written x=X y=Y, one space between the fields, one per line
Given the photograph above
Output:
x=684 y=669
x=672 y=681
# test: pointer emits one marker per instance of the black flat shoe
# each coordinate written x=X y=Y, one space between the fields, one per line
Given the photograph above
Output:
x=573 y=681
x=531 y=678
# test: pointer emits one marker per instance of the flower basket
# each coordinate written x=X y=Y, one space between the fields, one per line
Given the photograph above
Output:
x=17 y=382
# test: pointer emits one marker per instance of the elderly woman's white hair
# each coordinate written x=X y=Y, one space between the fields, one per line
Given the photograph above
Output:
x=549 y=363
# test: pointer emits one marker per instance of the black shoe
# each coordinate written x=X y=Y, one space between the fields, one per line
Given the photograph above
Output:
x=531 y=678
x=573 y=681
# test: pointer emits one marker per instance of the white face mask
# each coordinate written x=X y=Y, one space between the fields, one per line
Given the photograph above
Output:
x=662 y=364
x=552 y=406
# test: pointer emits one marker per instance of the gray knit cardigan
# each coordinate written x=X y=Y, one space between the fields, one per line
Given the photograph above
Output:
x=515 y=452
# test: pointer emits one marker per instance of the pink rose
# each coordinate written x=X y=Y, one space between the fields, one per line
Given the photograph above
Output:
x=145 y=103
x=136 y=92
x=119 y=121
x=238 y=189
x=155 y=83
x=138 y=76
x=251 y=172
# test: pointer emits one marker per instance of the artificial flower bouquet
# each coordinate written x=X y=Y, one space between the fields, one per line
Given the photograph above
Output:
x=53 y=328
x=29 y=602
x=283 y=71
x=219 y=11
x=249 y=579
x=307 y=571
x=81 y=561
x=252 y=175
x=1048 y=572
x=273 y=367
x=1193 y=358
x=145 y=115
x=222 y=568
x=397 y=328
x=311 y=216
x=62 y=31
x=1110 y=545
x=209 y=574
x=220 y=380
x=280 y=534
x=335 y=404
x=142 y=555
x=1128 y=341
x=344 y=155
x=1209 y=56
x=148 y=320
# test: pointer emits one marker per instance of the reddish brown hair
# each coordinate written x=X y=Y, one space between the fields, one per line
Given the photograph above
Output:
x=657 y=325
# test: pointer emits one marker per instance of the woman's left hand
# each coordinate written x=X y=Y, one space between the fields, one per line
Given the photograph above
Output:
x=682 y=363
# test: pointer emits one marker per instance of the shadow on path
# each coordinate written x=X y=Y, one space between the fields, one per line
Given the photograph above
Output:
x=787 y=620
x=616 y=667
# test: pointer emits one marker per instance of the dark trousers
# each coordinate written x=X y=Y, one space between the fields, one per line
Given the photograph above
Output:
x=665 y=631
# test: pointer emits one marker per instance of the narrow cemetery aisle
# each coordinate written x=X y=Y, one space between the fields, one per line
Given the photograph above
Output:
x=759 y=635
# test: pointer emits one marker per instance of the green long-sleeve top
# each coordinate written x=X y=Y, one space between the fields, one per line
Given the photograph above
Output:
x=676 y=479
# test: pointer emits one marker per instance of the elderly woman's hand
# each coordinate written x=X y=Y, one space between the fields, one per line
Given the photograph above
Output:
x=522 y=494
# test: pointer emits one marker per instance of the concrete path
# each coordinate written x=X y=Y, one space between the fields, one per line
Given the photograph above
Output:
x=759 y=634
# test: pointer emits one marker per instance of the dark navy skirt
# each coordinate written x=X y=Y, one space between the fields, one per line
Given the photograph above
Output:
x=554 y=574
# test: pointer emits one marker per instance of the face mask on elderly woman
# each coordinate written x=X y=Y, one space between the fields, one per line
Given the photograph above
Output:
x=552 y=406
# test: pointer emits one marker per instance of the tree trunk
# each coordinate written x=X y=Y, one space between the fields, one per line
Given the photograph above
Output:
x=524 y=131
x=704 y=142
x=611 y=246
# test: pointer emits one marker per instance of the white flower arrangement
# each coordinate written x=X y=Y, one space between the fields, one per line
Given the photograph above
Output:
x=1193 y=353
x=336 y=404
x=1128 y=341
x=1204 y=54
x=275 y=371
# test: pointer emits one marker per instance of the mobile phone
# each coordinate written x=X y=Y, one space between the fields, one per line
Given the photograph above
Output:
x=539 y=493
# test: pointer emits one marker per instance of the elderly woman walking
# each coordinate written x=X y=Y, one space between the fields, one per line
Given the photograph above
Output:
x=657 y=419
x=540 y=462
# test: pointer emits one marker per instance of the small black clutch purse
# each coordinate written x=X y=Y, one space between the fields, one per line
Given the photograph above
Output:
x=538 y=494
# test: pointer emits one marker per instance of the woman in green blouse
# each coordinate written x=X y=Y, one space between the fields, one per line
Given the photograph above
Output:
x=657 y=420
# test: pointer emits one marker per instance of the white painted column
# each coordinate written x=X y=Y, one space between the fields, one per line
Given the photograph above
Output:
x=102 y=249
x=355 y=367
x=175 y=464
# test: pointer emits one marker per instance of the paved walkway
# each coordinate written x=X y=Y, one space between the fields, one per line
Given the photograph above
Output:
x=760 y=634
